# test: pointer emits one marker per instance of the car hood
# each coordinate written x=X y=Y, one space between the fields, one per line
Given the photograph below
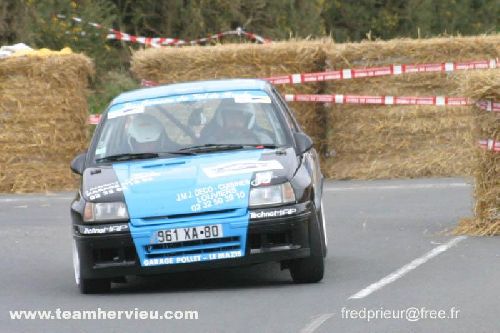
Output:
x=189 y=185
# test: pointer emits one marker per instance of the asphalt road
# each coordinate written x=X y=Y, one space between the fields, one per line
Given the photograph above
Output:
x=389 y=250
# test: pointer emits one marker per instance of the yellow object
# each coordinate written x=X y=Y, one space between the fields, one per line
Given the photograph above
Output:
x=43 y=52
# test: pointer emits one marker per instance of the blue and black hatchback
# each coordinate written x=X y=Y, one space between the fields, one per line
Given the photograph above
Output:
x=193 y=176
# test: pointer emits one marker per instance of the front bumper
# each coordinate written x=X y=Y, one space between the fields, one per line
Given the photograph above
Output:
x=274 y=235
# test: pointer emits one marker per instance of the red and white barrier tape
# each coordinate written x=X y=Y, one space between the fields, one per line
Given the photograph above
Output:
x=490 y=144
x=489 y=105
x=394 y=100
x=94 y=119
x=160 y=41
x=163 y=41
x=356 y=73
x=148 y=83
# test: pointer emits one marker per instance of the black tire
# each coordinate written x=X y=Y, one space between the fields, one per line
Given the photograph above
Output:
x=307 y=270
x=94 y=286
x=312 y=268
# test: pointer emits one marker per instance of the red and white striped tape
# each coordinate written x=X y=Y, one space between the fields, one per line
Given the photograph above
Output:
x=94 y=119
x=164 y=41
x=356 y=73
x=489 y=105
x=490 y=144
x=161 y=41
x=394 y=100
x=148 y=83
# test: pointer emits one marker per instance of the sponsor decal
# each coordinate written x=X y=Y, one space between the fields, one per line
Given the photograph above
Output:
x=103 y=190
x=240 y=167
x=272 y=213
x=192 y=258
x=102 y=230
x=262 y=178
x=212 y=196
x=127 y=110
x=251 y=96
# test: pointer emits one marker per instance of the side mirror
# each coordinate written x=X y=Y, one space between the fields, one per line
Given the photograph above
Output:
x=303 y=141
x=78 y=163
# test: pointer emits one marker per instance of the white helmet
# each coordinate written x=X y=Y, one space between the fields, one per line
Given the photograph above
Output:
x=145 y=128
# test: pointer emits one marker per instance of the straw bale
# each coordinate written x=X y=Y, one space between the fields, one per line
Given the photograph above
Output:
x=410 y=51
x=368 y=142
x=43 y=111
x=486 y=221
x=379 y=136
x=171 y=65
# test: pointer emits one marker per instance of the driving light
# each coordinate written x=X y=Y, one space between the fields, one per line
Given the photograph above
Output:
x=105 y=212
x=271 y=195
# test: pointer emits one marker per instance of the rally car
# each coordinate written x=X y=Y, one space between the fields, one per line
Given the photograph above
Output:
x=193 y=176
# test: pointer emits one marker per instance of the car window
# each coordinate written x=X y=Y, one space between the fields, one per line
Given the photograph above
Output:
x=172 y=123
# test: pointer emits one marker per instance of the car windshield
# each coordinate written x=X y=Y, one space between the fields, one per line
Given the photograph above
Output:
x=190 y=124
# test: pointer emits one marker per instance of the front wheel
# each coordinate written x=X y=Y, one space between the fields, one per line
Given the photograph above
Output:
x=312 y=268
x=88 y=286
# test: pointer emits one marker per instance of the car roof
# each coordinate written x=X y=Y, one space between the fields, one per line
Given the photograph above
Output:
x=191 y=88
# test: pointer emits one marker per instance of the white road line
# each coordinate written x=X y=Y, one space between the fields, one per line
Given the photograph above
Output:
x=316 y=322
x=407 y=268
x=397 y=187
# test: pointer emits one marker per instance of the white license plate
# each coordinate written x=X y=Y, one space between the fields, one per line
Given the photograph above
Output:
x=190 y=233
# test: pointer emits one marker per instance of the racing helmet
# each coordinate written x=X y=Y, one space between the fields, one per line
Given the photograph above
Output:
x=228 y=106
x=145 y=128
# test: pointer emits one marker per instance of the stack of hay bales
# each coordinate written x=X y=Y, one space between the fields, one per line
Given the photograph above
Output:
x=43 y=111
x=368 y=142
x=480 y=86
x=170 y=65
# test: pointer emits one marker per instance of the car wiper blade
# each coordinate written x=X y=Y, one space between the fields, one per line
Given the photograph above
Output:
x=127 y=156
x=212 y=147
x=177 y=152
x=138 y=156
x=225 y=146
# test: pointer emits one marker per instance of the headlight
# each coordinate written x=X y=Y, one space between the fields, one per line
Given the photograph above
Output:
x=105 y=212
x=271 y=195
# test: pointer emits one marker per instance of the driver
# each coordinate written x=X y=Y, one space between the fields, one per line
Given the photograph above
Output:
x=233 y=123
x=146 y=134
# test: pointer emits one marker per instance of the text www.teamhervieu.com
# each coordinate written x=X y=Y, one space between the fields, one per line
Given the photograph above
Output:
x=101 y=314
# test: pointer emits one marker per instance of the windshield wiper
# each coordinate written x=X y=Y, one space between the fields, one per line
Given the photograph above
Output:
x=209 y=147
x=140 y=156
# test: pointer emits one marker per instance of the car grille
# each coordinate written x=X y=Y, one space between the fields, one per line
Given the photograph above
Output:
x=192 y=247
x=176 y=218
x=190 y=215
